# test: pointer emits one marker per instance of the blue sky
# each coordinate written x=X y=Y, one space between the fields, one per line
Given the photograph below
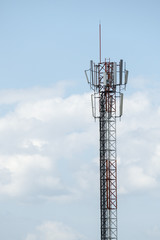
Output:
x=49 y=179
x=40 y=38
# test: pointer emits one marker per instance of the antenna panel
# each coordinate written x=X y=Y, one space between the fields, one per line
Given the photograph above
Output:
x=86 y=76
x=126 y=76
x=95 y=75
x=91 y=72
x=93 y=105
x=104 y=78
x=120 y=71
x=115 y=72
x=121 y=104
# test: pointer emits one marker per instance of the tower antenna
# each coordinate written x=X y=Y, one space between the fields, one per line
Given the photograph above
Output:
x=100 y=42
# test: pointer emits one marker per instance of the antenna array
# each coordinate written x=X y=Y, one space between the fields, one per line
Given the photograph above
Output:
x=108 y=77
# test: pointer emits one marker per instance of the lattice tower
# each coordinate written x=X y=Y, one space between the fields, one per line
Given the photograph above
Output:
x=107 y=105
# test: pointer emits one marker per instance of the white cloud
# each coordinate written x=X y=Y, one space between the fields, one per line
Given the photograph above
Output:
x=40 y=137
x=154 y=165
x=54 y=230
x=27 y=175
x=11 y=96
x=87 y=177
x=138 y=141
x=54 y=138
x=133 y=178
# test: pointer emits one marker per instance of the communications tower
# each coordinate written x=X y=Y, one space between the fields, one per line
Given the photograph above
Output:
x=107 y=79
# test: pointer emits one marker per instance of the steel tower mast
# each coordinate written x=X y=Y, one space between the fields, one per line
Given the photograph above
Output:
x=107 y=79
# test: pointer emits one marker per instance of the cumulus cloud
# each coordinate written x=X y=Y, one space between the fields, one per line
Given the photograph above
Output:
x=54 y=230
x=138 y=141
x=134 y=179
x=13 y=96
x=27 y=174
x=49 y=143
x=44 y=139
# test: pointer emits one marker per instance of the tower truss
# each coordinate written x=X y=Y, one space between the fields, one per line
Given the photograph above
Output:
x=107 y=105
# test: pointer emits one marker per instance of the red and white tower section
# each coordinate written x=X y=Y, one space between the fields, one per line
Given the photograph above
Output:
x=107 y=80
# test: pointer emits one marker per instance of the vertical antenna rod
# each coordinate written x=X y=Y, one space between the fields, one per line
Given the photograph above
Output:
x=107 y=88
x=100 y=42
